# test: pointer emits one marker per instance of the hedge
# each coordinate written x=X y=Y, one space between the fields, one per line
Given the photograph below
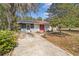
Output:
x=7 y=41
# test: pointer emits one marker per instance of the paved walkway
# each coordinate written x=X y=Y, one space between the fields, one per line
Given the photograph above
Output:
x=35 y=45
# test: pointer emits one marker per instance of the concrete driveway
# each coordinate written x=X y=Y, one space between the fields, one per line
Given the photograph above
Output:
x=32 y=44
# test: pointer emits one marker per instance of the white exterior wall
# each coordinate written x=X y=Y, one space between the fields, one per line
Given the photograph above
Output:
x=46 y=27
x=35 y=29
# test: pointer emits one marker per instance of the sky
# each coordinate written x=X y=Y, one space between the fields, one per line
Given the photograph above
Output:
x=42 y=11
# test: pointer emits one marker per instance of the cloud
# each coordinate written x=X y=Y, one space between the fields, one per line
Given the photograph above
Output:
x=46 y=14
x=48 y=4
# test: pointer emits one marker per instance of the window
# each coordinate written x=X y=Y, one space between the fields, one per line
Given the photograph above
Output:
x=32 y=25
x=23 y=25
x=28 y=27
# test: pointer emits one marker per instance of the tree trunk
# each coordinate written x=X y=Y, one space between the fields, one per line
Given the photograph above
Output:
x=9 y=23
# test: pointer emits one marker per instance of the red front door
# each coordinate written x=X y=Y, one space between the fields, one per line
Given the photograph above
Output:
x=42 y=28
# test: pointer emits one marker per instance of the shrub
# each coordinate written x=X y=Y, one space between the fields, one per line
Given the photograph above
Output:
x=7 y=41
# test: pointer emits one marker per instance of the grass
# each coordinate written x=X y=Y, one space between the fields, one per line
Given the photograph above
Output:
x=67 y=40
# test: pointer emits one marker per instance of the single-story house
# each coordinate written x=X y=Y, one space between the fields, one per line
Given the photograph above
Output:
x=33 y=25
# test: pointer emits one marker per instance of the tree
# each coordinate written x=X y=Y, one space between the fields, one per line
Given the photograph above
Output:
x=39 y=18
x=28 y=18
x=64 y=14
x=9 y=11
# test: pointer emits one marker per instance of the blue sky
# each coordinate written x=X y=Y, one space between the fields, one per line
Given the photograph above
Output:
x=42 y=11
